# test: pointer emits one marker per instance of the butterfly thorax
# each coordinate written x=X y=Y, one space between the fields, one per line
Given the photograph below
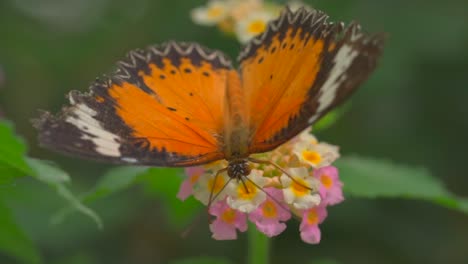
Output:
x=238 y=168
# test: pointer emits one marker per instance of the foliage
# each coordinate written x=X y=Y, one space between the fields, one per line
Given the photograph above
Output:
x=373 y=178
x=16 y=164
x=13 y=240
x=363 y=177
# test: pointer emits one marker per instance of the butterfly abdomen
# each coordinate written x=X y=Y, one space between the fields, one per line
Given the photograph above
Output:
x=236 y=139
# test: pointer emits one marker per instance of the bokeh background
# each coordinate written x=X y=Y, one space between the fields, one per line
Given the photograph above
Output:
x=413 y=110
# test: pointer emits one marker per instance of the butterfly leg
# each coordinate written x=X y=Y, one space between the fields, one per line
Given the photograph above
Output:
x=213 y=197
x=210 y=201
x=245 y=186
x=267 y=162
x=280 y=204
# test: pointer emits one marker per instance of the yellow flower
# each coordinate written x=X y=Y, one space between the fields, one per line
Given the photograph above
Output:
x=316 y=154
x=246 y=196
x=301 y=190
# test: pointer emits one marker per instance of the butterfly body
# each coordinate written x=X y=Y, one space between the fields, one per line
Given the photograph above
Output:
x=180 y=104
x=236 y=130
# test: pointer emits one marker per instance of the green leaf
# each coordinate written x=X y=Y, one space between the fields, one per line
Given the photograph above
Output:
x=8 y=174
x=13 y=241
x=372 y=178
x=202 y=260
x=56 y=178
x=12 y=153
x=161 y=182
x=46 y=172
x=114 y=180
x=164 y=183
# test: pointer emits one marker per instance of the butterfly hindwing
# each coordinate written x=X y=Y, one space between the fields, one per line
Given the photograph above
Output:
x=180 y=104
x=163 y=107
x=300 y=68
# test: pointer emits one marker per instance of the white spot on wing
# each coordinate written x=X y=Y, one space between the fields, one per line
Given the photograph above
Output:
x=106 y=142
x=343 y=61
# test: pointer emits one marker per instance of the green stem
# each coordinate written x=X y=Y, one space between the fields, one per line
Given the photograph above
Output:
x=259 y=246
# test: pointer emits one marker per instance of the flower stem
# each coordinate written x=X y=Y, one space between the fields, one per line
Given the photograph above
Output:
x=259 y=246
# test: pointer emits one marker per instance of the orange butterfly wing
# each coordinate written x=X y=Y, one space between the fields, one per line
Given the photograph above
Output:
x=163 y=106
x=183 y=105
x=299 y=69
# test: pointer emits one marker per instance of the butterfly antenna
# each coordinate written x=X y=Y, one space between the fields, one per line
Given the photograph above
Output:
x=282 y=170
x=212 y=198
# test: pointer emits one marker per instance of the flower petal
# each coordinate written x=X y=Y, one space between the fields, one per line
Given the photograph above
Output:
x=252 y=25
x=330 y=185
x=211 y=14
x=246 y=195
x=185 y=190
x=223 y=231
x=311 y=234
x=271 y=228
x=206 y=187
x=227 y=221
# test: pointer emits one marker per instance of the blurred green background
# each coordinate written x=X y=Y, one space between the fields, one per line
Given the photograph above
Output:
x=412 y=110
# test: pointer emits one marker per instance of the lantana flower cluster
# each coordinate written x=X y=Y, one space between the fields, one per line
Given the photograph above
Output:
x=244 y=18
x=302 y=185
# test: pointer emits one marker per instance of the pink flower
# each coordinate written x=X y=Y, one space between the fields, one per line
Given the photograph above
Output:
x=311 y=218
x=227 y=221
x=269 y=216
x=186 y=188
x=331 y=188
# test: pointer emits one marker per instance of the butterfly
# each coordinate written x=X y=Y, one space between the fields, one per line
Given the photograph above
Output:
x=181 y=104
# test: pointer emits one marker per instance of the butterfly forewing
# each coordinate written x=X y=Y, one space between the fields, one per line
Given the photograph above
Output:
x=299 y=69
x=163 y=106
x=181 y=104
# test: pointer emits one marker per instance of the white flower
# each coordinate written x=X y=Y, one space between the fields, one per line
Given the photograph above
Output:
x=317 y=154
x=298 y=192
x=206 y=187
x=254 y=24
x=211 y=14
x=247 y=196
